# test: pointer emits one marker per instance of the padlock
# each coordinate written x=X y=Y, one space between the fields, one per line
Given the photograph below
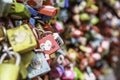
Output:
x=35 y=3
x=58 y=39
x=38 y=66
x=5 y=7
x=3 y=36
x=67 y=4
x=59 y=26
x=49 y=2
x=7 y=70
x=48 y=44
x=76 y=33
x=22 y=38
x=61 y=52
x=84 y=17
x=72 y=54
x=89 y=74
x=56 y=71
x=58 y=60
x=46 y=41
x=68 y=75
x=78 y=74
x=94 y=20
x=63 y=15
x=19 y=11
x=32 y=11
x=32 y=21
x=27 y=61
x=76 y=19
x=60 y=3
x=48 y=10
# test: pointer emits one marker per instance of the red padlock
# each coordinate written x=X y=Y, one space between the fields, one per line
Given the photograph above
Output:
x=48 y=11
x=46 y=41
x=48 y=44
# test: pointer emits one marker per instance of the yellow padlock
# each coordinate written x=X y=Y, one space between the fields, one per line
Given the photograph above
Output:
x=21 y=38
x=9 y=71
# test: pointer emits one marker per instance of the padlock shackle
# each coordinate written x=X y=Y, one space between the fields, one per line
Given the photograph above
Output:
x=6 y=50
x=40 y=30
x=17 y=56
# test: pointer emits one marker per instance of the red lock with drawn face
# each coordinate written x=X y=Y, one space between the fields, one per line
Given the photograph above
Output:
x=48 y=44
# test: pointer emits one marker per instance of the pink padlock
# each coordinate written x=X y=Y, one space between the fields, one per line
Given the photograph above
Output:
x=59 y=26
x=68 y=75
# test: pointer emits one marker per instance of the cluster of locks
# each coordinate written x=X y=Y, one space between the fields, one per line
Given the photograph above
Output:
x=58 y=39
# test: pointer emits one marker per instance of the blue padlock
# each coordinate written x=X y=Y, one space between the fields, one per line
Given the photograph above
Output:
x=66 y=3
x=38 y=66
x=63 y=15
x=32 y=11
x=44 y=17
x=32 y=21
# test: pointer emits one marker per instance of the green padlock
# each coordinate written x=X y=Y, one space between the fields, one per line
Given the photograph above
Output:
x=9 y=71
x=19 y=11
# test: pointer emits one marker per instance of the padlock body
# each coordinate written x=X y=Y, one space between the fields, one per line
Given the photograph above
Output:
x=21 y=38
x=48 y=11
x=19 y=11
x=8 y=72
x=35 y=3
x=38 y=66
x=48 y=44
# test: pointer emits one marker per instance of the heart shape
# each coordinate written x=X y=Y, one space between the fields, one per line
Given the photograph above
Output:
x=46 y=46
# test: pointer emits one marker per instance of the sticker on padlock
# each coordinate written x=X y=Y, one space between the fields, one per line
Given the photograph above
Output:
x=58 y=39
x=7 y=70
x=35 y=3
x=38 y=66
x=18 y=23
x=46 y=41
x=21 y=38
x=19 y=11
x=48 y=10
x=5 y=7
